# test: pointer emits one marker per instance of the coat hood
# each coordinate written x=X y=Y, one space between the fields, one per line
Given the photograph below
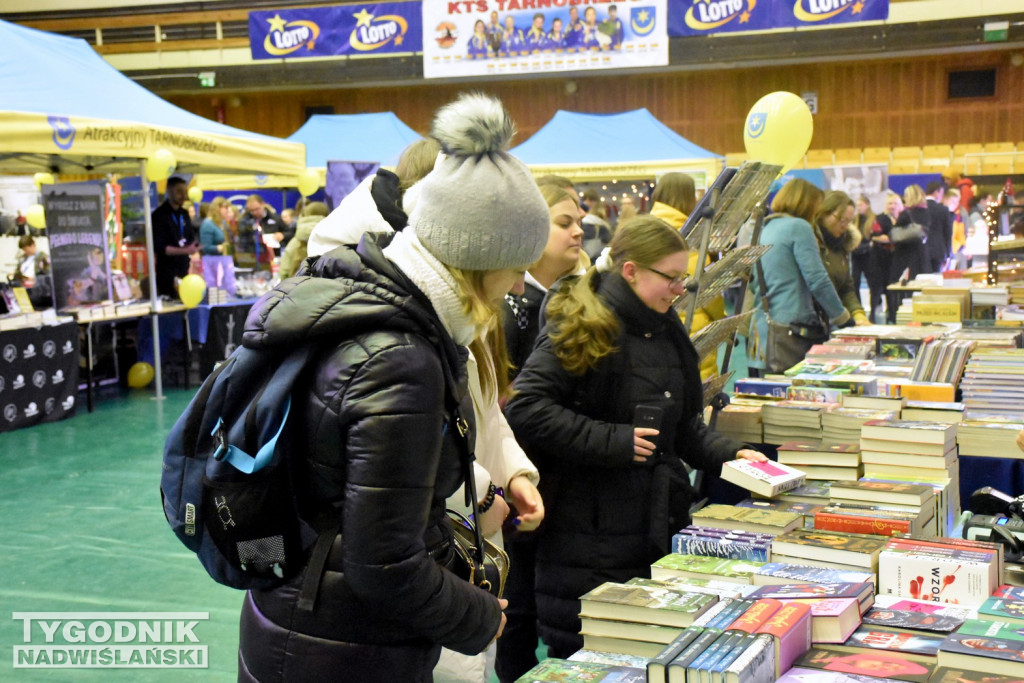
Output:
x=346 y=292
x=669 y=214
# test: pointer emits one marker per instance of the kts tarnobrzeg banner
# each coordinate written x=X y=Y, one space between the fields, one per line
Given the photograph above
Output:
x=515 y=37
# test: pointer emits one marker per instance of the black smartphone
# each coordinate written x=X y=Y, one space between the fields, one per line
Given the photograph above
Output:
x=650 y=417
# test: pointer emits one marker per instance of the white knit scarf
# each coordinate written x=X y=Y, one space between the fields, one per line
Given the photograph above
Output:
x=433 y=279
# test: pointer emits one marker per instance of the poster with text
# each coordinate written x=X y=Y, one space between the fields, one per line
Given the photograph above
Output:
x=514 y=37
x=869 y=180
x=77 y=232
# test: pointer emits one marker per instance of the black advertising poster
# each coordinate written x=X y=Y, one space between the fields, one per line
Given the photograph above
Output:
x=77 y=233
x=38 y=375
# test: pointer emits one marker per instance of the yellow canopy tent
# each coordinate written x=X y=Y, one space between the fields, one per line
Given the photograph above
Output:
x=66 y=110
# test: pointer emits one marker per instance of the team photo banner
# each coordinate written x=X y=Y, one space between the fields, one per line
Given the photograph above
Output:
x=501 y=37
x=705 y=17
x=375 y=28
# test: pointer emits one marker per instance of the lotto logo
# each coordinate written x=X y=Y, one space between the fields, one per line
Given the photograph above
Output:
x=10 y=353
x=49 y=349
x=39 y=378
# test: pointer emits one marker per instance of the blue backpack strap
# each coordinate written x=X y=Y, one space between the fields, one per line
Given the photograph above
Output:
x=238 y=458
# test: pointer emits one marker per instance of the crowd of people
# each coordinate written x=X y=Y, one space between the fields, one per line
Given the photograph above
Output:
x=429 y=268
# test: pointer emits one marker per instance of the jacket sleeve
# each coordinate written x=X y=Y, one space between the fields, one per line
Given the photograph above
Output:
x=713 y=451
x=543 y=419
x=808 y=260
x=392 y=424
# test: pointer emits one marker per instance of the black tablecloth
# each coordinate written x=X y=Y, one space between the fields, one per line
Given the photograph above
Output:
x=38 y=375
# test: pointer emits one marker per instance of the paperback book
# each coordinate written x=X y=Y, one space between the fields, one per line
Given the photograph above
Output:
x=645 y=604
x=866 y=663
x=920 y=646
x=763 y=478
x=566 y=671
x=954 y=578
x=777 y=573
x=748 y=519
x=996 y=655
x=860 y=550
x=833 y=620
x=881 y=492
x=781 y=504
x=699 y=566
x=911 y=621
x=790 y=628
x=799 y=453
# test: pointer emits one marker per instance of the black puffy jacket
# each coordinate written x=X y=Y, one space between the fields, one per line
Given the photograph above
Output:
x=380 y=455
x=607 y=518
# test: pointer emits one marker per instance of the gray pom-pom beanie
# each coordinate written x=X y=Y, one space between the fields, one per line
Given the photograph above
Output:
x=479 y=208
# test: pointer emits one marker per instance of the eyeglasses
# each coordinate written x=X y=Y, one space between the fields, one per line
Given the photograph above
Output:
x=673 y=281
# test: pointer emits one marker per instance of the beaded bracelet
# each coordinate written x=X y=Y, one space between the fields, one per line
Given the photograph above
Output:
x=483 y=507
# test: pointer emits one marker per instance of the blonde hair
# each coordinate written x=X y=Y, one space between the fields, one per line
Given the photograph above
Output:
x=554 y=194
x=798 y=198
x=213 y=211
x=488 y=345
x=416 y=162
x=584 y=328
x=676 y=190
x=912 y=196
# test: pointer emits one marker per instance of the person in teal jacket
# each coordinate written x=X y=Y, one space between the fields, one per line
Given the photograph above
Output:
x=798 y=284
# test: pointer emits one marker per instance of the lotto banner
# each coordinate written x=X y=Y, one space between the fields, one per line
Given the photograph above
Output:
x=701 y=17
x=374 y=28
x=38 y=375
x=705 y=17
x=826 y=12
x=515 y=37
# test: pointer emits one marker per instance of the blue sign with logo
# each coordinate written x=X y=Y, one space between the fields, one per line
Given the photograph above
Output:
x=827 y=12
x=705 y=17
x=377 y=28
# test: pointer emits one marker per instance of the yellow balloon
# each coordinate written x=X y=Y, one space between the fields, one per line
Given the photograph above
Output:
x=195 y=194
x=43 y=179
x=160 y=165
x=778 y=129
x=309 y=182
x=36 y=216
x=191 y=290
x=140 y=375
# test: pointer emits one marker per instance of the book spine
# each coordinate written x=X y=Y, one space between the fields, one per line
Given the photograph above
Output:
x=830 y=521
x=759 y=656
x=758 y=613
x=791 y=625
x=711 y=651
x=716 y=609
x=718 y=670
x=735 y=610
x=672 y=650
x=723 y=645
x=695 y=649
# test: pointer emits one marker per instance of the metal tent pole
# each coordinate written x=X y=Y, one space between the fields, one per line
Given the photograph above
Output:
x=153 y=296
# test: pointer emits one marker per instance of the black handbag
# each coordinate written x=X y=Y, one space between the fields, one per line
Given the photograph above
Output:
x=474 y=558
x=787 y=343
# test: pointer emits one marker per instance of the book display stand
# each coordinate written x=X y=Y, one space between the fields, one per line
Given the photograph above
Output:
x=736 y=197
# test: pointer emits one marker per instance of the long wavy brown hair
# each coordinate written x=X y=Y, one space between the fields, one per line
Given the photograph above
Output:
x=584 y=328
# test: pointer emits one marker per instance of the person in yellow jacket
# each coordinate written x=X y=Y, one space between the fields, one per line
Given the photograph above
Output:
x=674 y=198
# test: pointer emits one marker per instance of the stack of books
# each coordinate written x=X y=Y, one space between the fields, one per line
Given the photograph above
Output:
x=993 y=438
x=843 y=349
x=943 y=360
x=724 y=543
x=564 y=670
x=791 y=420
x=217 y=295
x=637 y=619
x=993 y=383
x=863 y=593
x=906 y=447
x=740 y=421
x=877 y=520
x=814 y=492
x=808 y=394
x=766 y=478
x=916 y=499
x=781 y=505
x=855 y=384
x=992 y=647
x=915 y=615
x=823 y=461
x=746 y=519
x=753 y=642
x=940 y=570
x=830 y=549
x=933 y=411
x=842 y=424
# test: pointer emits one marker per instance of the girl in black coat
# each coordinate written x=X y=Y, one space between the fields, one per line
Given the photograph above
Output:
x=614 y=493
x=881 y=256
x=382 y=449
x=911 y=256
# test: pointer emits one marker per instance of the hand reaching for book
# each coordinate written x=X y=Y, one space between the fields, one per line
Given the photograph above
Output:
x=750 y=454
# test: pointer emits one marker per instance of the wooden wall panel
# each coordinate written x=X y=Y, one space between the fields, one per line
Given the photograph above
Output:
x=865 y=104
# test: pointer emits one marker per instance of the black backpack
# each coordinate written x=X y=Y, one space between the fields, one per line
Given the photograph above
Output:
x=226 y=483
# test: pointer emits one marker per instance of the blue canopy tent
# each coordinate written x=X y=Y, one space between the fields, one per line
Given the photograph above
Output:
x=66 y=110
x=632 y=144
x=375 y=137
